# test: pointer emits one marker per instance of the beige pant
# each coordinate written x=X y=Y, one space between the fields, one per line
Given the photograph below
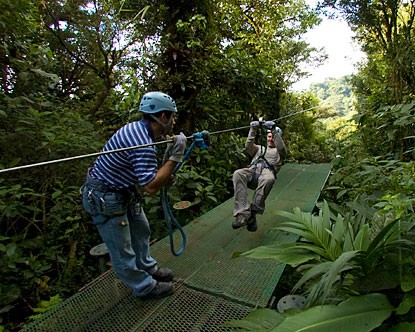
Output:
x=256 y=178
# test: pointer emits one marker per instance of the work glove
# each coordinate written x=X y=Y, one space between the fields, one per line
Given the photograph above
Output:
x=254 y=124
x=253 y=130
x=269 y=125
x=179 y=145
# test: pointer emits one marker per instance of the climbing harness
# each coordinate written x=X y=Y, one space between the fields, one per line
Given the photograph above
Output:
x=263 y=132
x=200 y=140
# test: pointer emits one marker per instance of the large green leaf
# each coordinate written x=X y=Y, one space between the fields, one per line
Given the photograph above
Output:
x=383 y=237
x=258 y=320
x=407 y=303
x=348 y=243
x=289 y=253
x=361 y=241
x=408 y=281
x=403 y=327
x=357 y=314
x=337 y=233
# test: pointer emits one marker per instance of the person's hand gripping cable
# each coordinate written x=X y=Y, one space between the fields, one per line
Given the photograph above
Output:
x=253 y=128
x=270 y=125
x=178 y=148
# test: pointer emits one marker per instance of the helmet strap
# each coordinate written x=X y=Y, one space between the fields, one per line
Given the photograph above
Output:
x=166 y=126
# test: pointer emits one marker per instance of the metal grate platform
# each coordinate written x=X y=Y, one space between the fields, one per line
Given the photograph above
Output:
x=212 y=287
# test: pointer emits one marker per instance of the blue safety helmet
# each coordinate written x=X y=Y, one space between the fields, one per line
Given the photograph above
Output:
x=153 y=102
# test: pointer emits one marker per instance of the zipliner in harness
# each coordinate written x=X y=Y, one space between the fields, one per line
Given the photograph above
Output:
x=263 y=133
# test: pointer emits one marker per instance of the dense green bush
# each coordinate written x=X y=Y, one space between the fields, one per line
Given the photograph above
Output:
x=44 y=239
x=68 y=83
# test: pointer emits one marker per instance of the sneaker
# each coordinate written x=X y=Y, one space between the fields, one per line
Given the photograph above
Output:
x=161 y=289
x=239 y=222
x=163 y=274
x=251 y=223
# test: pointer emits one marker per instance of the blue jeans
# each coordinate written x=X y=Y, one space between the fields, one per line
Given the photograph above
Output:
x=125 y=230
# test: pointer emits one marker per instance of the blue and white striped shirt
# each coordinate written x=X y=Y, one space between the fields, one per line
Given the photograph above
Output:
x=124 y=169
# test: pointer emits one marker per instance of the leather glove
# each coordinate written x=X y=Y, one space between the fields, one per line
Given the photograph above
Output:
x=178 y=148
x=269 y=125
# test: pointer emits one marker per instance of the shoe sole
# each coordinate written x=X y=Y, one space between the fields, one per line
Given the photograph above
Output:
x=252 y=229
x=160 y=296
x=238 y=226
x=163 y=279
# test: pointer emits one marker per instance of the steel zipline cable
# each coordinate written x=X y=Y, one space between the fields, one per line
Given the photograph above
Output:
x=135 y=147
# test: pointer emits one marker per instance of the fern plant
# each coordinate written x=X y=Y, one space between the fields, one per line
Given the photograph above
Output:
x=335 y=259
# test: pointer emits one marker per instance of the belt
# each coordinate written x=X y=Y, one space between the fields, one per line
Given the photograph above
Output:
x=103 y=187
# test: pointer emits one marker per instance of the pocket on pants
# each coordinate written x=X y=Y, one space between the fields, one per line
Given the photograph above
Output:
x=113 y=204
x=98 y=203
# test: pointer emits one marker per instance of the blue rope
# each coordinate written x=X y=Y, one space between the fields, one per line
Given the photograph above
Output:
x=169 y=218
x=199 y=141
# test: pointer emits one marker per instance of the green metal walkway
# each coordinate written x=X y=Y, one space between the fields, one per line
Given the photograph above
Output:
x=212 y=287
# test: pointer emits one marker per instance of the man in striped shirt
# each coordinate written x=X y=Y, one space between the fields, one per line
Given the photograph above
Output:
x=109 y=194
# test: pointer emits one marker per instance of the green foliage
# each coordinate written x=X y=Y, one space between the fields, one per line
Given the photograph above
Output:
x=45 y=240
x=229 y=61
x=45 y=306
x=335 y=94
x=384 y=85
x=335 y=257
x=73 y=72
x=385 y=30
x=360 y=313
x=337 y=102
x=307 y=140
x=93 y=44
x=391 y=128
x=372 y=185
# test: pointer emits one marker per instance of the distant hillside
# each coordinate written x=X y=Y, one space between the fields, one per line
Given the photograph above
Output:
x=335 y=93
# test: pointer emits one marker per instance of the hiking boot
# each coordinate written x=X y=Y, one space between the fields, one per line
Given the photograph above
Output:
x=163 y=274
x=239 y=222
x=161 y=289
x=251 y=223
